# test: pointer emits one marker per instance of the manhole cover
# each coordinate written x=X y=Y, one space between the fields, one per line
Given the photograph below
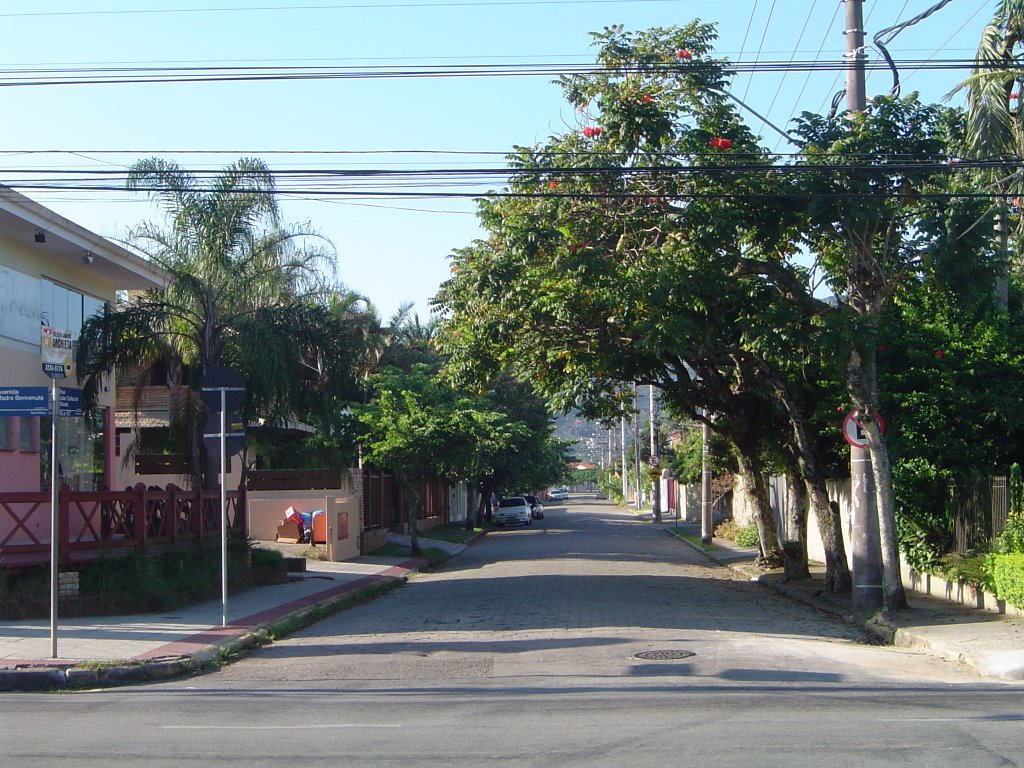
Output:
x=663 y=655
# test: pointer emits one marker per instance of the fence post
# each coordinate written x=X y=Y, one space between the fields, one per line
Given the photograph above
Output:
x=63 y=531
x=173 y=512
x=139 y=518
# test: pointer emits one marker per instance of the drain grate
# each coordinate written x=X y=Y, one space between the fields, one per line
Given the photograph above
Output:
x=663 y=655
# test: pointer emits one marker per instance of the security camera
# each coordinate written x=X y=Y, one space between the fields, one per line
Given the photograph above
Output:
x=87 y=259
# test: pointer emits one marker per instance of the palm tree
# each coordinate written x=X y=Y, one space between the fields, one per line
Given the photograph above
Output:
x=244 y=292
x=994 y=129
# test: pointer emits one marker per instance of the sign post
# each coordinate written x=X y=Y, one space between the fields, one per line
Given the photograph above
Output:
x=55 y=350
x=217 y=384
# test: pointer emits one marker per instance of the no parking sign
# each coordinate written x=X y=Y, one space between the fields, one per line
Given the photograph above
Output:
x=853 y=431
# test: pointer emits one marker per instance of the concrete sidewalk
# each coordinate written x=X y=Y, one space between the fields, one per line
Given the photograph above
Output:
x=123 y=649
x=989 y=643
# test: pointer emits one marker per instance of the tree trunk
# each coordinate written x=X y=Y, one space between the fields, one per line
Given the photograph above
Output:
x=771 y=555
x=862 y=382
x=471 y=493
x=893 y=596
x=794 y=546
x=414 y=510
x=837 y=569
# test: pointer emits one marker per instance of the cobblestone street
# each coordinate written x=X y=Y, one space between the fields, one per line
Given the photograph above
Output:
x=577 y=596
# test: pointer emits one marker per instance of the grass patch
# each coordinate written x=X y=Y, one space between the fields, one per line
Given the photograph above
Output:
x=457 y=534
x=391 y=550
x=692 y=538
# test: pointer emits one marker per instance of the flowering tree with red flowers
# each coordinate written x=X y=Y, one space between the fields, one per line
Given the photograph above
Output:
x=656 y=250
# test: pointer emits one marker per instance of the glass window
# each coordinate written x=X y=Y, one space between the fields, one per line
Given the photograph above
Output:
x=5 y=432
x=29 y=438
x=62 y=307
x=81 y=451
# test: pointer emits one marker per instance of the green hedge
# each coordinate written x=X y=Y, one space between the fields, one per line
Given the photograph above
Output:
x=1006 y=572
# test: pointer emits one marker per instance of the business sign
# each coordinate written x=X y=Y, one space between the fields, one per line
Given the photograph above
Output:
x=55 y=348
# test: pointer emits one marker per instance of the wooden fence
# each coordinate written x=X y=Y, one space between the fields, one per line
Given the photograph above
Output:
x=92 y=524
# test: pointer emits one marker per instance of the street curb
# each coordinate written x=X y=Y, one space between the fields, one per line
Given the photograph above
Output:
x=879 y=626
x=44 y=678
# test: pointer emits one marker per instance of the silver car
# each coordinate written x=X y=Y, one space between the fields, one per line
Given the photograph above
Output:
x=513 y=510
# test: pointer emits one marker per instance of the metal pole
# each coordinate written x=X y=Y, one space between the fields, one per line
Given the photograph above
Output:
x=655 y=457
x=54 y=520
x=636 y=444
x=223 y=508
x=706 y=522
x=622 y=461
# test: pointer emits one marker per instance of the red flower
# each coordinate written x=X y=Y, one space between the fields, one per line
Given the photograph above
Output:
x=552 y=184
x=938 y=353
x=455 y=268
x=720 y=142
x=590 y=131
x=647 y=98
x=683 y=53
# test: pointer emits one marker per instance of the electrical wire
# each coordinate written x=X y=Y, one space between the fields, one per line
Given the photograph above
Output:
x=760 y=45
x=331 y=7
x=887 y=35
x=782 y=79
x=147 y=75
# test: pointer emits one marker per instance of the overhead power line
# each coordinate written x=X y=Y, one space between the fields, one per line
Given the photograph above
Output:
x=480 y=182
x=22 y=77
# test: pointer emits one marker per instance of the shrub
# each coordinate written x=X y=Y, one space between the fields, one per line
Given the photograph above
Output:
x=747 y=536
x=924 y=521
x=726 y=529
x=1012 y=537
x=1006 y=571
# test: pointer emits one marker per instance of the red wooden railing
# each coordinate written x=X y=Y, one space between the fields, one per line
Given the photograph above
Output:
x=93 y=523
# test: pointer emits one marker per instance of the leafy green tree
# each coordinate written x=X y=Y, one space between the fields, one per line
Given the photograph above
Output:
x=653 y=246
x=870 y=232
x=994 y=129
x=419 y=428
x=244 y=292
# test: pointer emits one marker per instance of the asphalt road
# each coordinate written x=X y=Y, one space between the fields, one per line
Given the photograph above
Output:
x=529 y=650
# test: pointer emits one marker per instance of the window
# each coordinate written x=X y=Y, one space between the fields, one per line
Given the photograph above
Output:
x=28 y=440
x=6 y=427
x=62 y=307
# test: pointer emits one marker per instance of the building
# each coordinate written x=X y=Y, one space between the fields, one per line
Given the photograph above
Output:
x=55 y=273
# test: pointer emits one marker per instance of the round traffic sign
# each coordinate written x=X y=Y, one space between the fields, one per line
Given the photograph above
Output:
x=854 y=433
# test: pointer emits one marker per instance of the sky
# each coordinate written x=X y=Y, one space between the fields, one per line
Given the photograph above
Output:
x=390 y=249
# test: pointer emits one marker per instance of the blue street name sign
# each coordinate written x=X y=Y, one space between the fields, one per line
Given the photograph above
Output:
x=35 y=401
x=24 y=401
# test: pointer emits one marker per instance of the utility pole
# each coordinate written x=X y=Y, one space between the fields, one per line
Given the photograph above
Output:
x=865 y=545
x=636 y=443
x=655 y=455
x=706 y=521
x=622 y=459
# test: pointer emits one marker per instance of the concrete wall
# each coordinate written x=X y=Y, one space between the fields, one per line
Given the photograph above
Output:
x=266 y=510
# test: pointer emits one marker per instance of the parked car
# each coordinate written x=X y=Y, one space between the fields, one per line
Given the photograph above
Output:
x=536 y=508
x=600 y=495
x=513 y=510
x=558 y=494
